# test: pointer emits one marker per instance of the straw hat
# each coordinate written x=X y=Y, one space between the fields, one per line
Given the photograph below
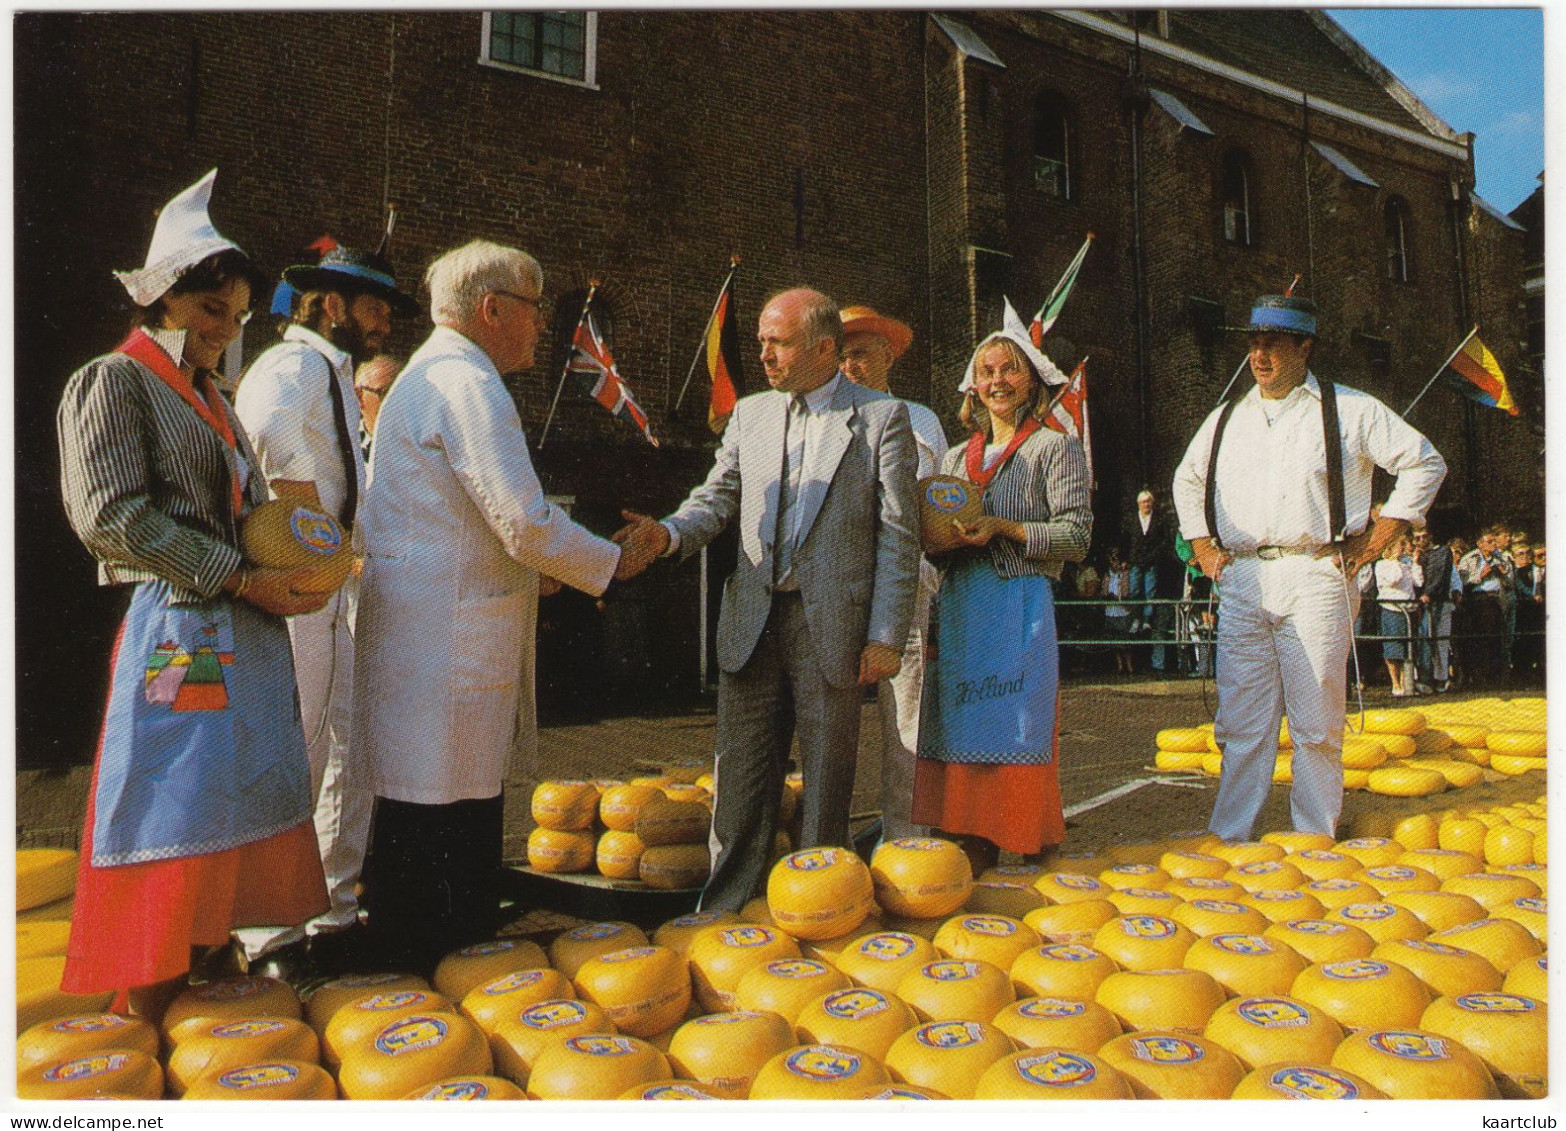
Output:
x=865 y=320
x=364 y=271
x=183 y=237
x=1281 y=314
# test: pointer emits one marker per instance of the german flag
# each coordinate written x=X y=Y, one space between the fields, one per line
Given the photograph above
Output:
x=1474 y=372
x=722 y=354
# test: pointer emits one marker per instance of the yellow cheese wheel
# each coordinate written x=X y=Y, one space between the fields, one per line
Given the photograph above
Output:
x=677 y=933
x=1057 y=1022
x=576 y=946
x=1390 y=878
x=1529 y=978
x=1267 y=875
x=1175 y=999
x=786 y=986
x=561 y=852
x=1212 y=765
x=1463 y=734
x=1504 y=942
x=675 y=867
x=1478 y=756
x=1322 y=940
x=1418 y=830
x=724 y=1051
x=1394 y=722
x=1176 y=761
x=880 y=960
x=921 y=877
x=414 y=1050
x=1191 y=739
x=357 y=1024
x=948 y=1056
x=957 y=990
x=1267 y=1028
x=44 y=876
x=1439 y=909
x=1070 y=922
x=820 y=893
x=1362 y=993
x=1430 y=743
x=1518 y=743
x=1445 y=970
x=1356 y=779
x=228 y=999
x=689 y=791
x=42 y=937
x=1279 y=906
x=235 y=1044
x=267 y=1080
x=1443 y=863
x=817 y=1072
x=1408 y=1063
x=661 y=822
x=1363 y=754
x=282 y=534
x=619 y=855
x=1124 y=876
x=1508 y=844
x=125 y=1072
x=858 y=1018
x=565 y=806
x=1340 y=893
x=1514 y=764
x=74 y=1038
x=595 y=1066
x=519 y=1040
x=1061 y=970
x=1204 y=917
x=485 y=1005
x=39 y=997
x=995 y=939
x=1001 y=897
x=332 y=996
x=1200 y=887
x=670 y=1090
x=1240 y=852
x=1381 y=921
x=1188 y=863
x=1301 y=1080
x=720 y=956
x=1143 y=901
x=1458 y=775
x=643 y=989
x=1371 y=851
x=1071 y=887
x=464 y=970
x=1324 y=864
x=1405 y=781
x=1165 y=1065
x=1539 y=873
x=1144 y=942
x=1052 y=1074
x=1493 y=889
x=1246 y=964
x=1531 y=912
x=468 y=1088
x=1292 y=842
x=1462 y=834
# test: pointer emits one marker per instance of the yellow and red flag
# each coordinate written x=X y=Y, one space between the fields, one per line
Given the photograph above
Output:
x=722 y=354
x=1474 y=372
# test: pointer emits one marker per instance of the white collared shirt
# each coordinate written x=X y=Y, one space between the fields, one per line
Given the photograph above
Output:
x=1272 y=475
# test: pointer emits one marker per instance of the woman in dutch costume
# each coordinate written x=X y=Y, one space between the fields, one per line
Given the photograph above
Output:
x=199 y=816
x=987 y=770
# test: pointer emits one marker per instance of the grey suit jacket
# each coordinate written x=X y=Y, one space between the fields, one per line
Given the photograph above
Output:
x=857 y=563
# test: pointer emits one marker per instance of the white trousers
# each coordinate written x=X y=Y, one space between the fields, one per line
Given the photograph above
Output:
x=323 y=649
x=898 y=701
x=1283 y=644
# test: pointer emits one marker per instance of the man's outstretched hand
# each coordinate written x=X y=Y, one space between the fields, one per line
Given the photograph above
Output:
x=642 y=541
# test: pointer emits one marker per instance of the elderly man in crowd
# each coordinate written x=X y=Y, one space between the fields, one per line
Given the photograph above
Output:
x=872 y=343
x=1283 y=548
x=297 y=403
x=371 y=382
x=1487 y=577
x=819 y=474
x=458 y=533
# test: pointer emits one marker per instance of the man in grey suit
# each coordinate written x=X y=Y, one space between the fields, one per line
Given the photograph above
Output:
x=820 y=473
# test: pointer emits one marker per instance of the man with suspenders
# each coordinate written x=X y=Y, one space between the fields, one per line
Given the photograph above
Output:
x=297 y=403
x=1274 y=496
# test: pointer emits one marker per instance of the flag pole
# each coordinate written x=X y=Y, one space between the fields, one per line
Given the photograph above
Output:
x=1066 y=388
x=1246 y=360
x=1068 y=275
x=1440 y=371
x=702 y=344
x=592 y=289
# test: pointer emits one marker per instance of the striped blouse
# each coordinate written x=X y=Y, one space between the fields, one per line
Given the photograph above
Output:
x=1044 y=486
x=147 y=482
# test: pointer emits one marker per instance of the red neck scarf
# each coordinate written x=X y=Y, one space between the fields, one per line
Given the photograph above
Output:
x=213 y=409
x=980 y=475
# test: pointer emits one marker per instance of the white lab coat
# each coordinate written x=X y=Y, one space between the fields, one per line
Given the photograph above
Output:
x=457 y=532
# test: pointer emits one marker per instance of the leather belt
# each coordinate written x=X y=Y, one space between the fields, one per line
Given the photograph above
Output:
x=1273 y=553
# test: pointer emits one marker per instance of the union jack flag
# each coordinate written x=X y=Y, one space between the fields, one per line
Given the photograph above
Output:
x=1069 y=413
x=592 y=367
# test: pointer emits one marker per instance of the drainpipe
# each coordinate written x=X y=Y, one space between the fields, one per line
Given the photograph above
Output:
x=1458 y=210
x=1135 y=102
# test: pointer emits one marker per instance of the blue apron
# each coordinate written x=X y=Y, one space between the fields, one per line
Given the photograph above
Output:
x=203 y=750
x=990 y=695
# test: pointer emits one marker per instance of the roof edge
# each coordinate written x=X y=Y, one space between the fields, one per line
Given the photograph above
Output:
x=1378 y=71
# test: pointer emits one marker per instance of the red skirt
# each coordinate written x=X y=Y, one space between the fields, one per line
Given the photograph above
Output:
x=1015 y=807
x=134 y=924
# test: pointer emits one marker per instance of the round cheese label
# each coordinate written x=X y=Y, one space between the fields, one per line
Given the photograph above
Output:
x=822 y=1062
x=887 y=946
x=553 y=1014
x=853 y=1004
x=1273 y=1013
x=258 y=1076
x=1309 y=1082
x=411 y=1034
x=85 y=1067
x=1057 y=1068
x=949 y=1034
x=1052 y=1007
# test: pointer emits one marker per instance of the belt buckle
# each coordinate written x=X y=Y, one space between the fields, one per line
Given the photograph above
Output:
x=1269 y=553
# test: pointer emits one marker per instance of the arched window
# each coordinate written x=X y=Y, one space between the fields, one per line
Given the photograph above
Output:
x=1395 y=219
x=1239 y=199
x=1053 y=142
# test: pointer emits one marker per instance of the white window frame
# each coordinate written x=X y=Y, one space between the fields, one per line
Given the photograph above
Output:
x=589 y=79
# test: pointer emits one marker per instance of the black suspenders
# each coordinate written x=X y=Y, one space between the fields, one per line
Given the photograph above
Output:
x=345 y=445
x=1336 y=507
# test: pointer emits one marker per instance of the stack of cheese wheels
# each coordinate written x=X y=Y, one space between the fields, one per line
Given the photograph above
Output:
x=486 y=1004
x=283 y=534
x=1182 y=748
x=360 y=1022
x=570 y=950
x=674 y=839
x=724 y=1051
x=267 y=1080
x=518 y=1041
x=720 y=956
x=820 y=893
x=413 y=1051
x=234 y=1044
x=81 y=1036
x=329 y=998
x=563 y=842
x=228 y=999
x=463 y=970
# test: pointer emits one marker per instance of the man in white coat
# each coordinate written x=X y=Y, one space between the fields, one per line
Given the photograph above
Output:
x=457 y=534
x=297 y=403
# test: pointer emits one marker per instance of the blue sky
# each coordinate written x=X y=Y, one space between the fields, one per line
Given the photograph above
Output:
x=1480 y=69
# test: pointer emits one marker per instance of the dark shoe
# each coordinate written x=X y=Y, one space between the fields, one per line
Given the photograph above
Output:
x=226 y=961
x=341 y=952
x=291 y=964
